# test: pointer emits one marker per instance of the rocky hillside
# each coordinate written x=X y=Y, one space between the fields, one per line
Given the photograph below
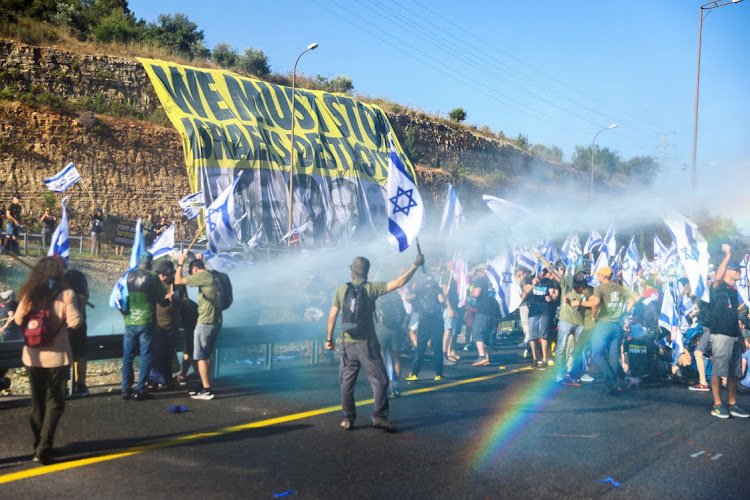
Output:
x=131 y=165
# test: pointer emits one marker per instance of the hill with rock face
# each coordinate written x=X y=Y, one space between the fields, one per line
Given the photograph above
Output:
x=134 y=163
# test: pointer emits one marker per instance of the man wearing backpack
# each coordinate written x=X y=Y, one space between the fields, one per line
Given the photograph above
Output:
x=209 y=319
x=429 y=305
x=360 y=345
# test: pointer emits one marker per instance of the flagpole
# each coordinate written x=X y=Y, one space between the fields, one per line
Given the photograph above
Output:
x=196 y=236
x=419 y=251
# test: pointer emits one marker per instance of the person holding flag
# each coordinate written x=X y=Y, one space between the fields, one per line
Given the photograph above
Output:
x=405 y=207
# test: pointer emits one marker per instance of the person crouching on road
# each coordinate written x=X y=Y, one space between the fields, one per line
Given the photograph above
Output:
x=48 y=366
x=363 y=349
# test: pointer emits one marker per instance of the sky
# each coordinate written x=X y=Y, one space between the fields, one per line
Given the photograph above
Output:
x=556 y=72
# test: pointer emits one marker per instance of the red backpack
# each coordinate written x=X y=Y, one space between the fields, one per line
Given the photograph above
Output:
x=37 y=331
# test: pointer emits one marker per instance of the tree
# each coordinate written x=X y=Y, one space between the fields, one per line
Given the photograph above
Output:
x=178 y=34
x=118 y=27
x=612 y=169
x=553 y=153
x=225 y=56
x=254 y=62
x=339 y=83
x=457 y=115
x=522 y=141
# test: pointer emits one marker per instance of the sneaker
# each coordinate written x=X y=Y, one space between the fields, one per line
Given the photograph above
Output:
x=522 y=344
x=82 y=391
x=550 y=363
x=699 y=387
x=438 y=378
x=127 y=393
x=383 y=423
x=396 y=392
x=526 y=353
x=181 y=380
x=347 y=424
x=141 y=395
x=738 y=412
x=412 y=377
x=586 y=378
x=570 y=381
x=481 y=361
x=204 y=394
x=720 y=411
x=540 y=365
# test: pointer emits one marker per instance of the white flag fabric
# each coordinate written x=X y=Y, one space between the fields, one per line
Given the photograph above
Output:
x=525 y=258
x=508 y=293
x=255 y=240
x=692 y=249
x=630 y=265
x=610 y=243
x=220 y=219
x=461 y=277
x=660 y=252
x=646 y=267
x=670 y=265
x=225 y=263
x=503 y=207
x=571 y=249
x=453 y=214
x=62 y=181
x=669 y=317
x=742 y=283
x=119 y=296
x=164 y=244
x=296 y=230
x=405 y=208
x=60 y=242
x=595 y=241
x=600 y=263
x=191 y=204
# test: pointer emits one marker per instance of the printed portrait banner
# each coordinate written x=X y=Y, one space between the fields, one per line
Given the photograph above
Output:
x=228 y=123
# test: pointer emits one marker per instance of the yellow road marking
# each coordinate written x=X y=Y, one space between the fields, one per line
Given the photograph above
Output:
x=39 y=471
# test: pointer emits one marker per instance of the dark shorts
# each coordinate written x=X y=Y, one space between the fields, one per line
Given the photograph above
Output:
x=482 y=328
x=390 y=338
x=538 y=326
x=726 y=360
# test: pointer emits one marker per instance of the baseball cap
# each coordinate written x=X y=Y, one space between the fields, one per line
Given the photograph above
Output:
x=605 y=271
x=733 y=265
x=17 y=195
x=637 y=331
x=145 y=259
x=7 y=295
x=165 y=267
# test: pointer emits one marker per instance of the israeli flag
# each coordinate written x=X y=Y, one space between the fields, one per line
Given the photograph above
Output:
x=501 y=207
x=507 y=291
x=62 y=181
x=742 y=283
x=600 y=263
x=549 y=252
x=669 y=317
x=118 y=299
x=692 y=249
x=671 y=263
x=220 y=219
x=630 y=265
x=255 y=240
x=405 y=207
x=461 y=277
x=60 y=242
x=296 y=230
x=610 y=243
x=164 y=244
x=646 y=267
x=225 y=263
x=192 y=204
x=453 y=214
x=525 y=258
x=595 y=241
x=571 y=249
x=660 y=251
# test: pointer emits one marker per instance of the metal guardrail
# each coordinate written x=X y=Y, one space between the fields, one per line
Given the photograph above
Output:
x=110 y=346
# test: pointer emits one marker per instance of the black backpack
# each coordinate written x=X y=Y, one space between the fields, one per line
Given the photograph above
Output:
x=355 y=310
x=389 y=310
x=224 y=296
x=428 y=303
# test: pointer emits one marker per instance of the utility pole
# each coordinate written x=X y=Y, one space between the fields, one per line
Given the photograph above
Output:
x=665 y=153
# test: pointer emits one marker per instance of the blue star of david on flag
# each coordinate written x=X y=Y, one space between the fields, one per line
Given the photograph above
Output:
x=220 y=220
x=507 y=278
x=409 y=201
x=405 y=210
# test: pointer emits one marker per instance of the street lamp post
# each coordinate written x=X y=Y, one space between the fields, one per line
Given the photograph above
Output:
x=591 y=195
x=706 y=9
x=310 y=47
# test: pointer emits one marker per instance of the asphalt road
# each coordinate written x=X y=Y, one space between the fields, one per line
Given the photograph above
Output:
x=485 y=432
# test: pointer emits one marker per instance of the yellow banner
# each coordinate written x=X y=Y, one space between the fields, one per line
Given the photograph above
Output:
x=230 y=121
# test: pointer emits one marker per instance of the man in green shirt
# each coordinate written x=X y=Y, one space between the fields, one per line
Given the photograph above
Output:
x=363 y=349
x=609 y=304
x=209 y=320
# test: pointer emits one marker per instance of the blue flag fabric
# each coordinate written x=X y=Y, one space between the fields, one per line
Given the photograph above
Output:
x=507 y=291
x=692 y=249
x=610 y=243
x=63 y=180
x=630 y=265
x=525 y=258
x=742 y=283
x=595 y=241
x=405 y=207
x=453 y=214
x=571 y=250
x=255 y=240
x=660 y=252
x=220 y=219
x=192 y=204
x=164 y=244
x=60 y=242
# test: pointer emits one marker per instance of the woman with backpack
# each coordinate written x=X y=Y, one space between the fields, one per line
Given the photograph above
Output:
x=47 y=308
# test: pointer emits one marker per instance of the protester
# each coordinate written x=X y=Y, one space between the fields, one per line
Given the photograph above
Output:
x=97 y=228
x=167 y=322
x=540 y=297
x=524 y=282
x=483 y=321
x=361 y=348
x=13 y=224
x=209 y=320
x=149 y=229
x=452 y=315
x=48 y=221
x=9 y=331
x=140 y=324
x=48 y=366
x=188 y=320
x=428 y=302
x=609 y=302
x=79 y=336
x=726 y=337
x=390 y=314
